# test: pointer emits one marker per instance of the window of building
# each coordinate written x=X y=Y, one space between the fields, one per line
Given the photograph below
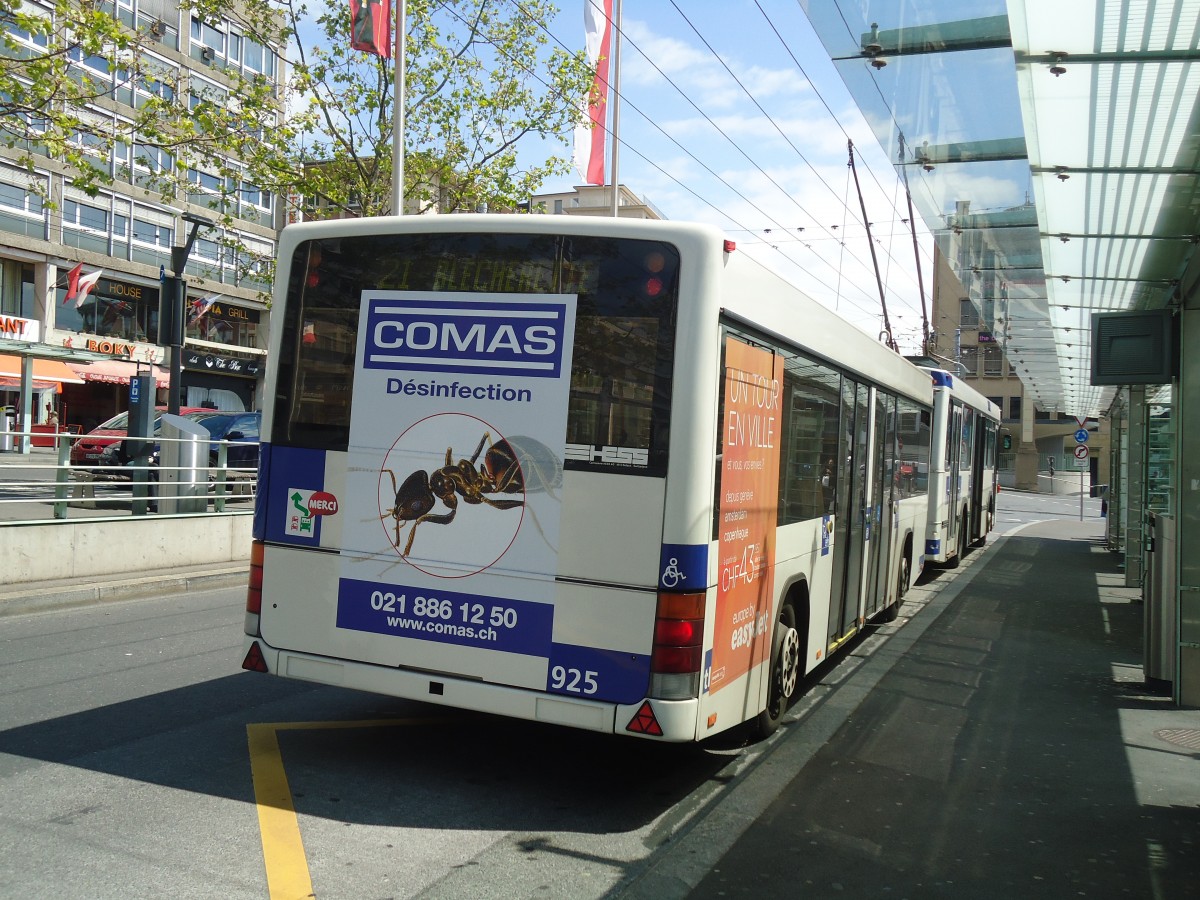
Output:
x=993 y=360
x=968 y=316
x=202 y=91
x=225 y=323
x=85 y=222
x=165 y=33
x=210 y=37
x=968 y=357
x=254 y=262
x=1014 y=408
x=157 y=80
x=153 y=159
x=16 y=289
x=153 y=232
x=22 y=210
x=28 y=42
x=97 y=66
x=230 y=49
x=113 y=308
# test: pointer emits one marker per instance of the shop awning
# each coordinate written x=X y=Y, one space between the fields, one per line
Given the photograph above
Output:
x=47 y=373
x=114 y=371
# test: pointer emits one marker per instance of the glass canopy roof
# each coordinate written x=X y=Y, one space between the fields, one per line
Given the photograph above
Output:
x=1051 y=148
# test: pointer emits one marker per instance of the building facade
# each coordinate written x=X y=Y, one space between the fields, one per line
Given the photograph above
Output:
x=595 y=200
x=1038 y=446
x=82 y=269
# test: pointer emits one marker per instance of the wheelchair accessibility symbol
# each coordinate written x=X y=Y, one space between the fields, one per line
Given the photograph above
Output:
x=671 y=575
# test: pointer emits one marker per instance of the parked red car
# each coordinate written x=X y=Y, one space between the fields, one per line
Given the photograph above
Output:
x=86 y=451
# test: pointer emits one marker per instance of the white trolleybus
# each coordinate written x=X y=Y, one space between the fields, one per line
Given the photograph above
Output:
x=603 y=473
x=962 y=471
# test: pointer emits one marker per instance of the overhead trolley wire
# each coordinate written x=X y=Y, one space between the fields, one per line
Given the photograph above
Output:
x=626 y=102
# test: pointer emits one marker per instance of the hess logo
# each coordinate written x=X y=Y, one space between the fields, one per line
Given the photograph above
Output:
x=322 y=503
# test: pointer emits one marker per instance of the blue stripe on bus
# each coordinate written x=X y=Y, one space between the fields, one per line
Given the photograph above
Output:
x=258 y=530
x=611 y=676
x=933 y=548
x=943 y=379
x=295 y=469
x=683 y=567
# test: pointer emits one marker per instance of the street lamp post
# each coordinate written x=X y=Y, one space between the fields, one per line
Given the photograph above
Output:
x=172 y=312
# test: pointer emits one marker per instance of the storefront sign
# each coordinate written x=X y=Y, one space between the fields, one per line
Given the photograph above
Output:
x=136 y=293
x=232 y=313
x=115 y=348
x=228 y=365
x=18 y=329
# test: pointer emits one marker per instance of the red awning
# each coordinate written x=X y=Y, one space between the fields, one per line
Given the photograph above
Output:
x=115 y=371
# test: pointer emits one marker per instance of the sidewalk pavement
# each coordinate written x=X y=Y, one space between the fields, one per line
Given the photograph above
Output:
x=1012 y=750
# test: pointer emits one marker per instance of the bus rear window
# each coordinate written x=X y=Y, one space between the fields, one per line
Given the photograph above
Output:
x=624 y=331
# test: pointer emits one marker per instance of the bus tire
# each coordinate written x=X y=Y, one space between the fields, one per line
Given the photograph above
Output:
x=785 y=671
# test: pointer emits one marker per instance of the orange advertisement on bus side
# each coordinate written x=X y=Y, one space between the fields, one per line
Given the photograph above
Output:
x=748 y=511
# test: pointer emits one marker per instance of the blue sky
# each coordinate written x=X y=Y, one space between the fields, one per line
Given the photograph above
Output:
x=721 y=121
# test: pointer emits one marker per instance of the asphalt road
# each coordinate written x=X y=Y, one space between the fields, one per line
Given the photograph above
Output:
x=127 y=770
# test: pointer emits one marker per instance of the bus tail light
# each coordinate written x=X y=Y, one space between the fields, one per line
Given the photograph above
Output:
x=678 y=652
x=254 y=588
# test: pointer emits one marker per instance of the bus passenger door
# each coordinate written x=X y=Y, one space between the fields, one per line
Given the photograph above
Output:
x=953 y=469
x=980 y=434
x=876 y=511
x=886 y=468
x=851 y=514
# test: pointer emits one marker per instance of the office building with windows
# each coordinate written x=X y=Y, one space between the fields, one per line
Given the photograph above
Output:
x=82 y=266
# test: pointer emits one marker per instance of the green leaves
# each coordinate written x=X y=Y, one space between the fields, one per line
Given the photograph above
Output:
x=490 y=102
x=481 y=84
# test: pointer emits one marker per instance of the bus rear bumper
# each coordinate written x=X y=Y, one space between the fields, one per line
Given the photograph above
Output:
x=665 y=720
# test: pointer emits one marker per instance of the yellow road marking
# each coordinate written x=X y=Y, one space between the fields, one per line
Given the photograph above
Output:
x=288 y=877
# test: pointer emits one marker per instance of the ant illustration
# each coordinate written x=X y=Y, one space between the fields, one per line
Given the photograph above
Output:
x=500 y=473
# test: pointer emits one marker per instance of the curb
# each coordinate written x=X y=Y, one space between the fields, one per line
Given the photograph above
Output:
x=47 y=597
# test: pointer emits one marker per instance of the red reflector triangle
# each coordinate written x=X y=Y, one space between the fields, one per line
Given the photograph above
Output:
x=644 y=722
x=254 y=659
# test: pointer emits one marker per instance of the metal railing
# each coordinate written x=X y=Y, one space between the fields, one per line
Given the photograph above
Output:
x=43 y=486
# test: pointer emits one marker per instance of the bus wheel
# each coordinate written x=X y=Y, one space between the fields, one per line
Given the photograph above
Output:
x=785 y=671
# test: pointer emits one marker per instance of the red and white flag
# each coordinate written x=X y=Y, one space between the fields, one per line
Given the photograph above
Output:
x=371 y=26
x=200 y=306
x=589 y=136
x=79 y=286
